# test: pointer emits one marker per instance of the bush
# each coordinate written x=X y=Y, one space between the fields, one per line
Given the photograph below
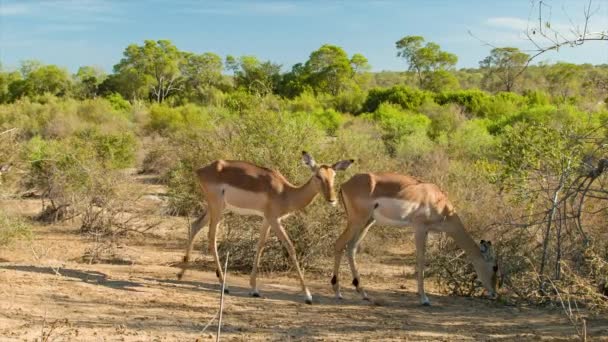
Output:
x=472 y=140
x=328 y=120
x=118 y=103
x=407 y=98
x=349 y=102
x=444 y=119
x=397 y=124
x=12 y=228
x=65 y=170
x=166 y=120
x=305 y=102
x=471 y=100
x=60 y=118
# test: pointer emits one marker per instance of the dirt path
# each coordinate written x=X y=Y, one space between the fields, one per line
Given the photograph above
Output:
x=48 y=291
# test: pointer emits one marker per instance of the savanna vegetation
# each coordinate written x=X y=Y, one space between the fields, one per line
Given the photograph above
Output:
x=520 y=150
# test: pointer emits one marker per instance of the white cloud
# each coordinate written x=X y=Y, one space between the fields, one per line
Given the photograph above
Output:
x=511 y=23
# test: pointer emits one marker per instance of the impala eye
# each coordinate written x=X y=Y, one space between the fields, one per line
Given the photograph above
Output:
x=318 y=176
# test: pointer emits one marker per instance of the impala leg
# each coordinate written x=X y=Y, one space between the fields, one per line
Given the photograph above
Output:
x=264 y=229
x=339 y=245
x=351 y=250
x=280 y=231
x=195 y=228
x=420 y=236
x=214 y=223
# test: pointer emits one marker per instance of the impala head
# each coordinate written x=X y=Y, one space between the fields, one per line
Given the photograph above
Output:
x=488 y=274
x=323 y=175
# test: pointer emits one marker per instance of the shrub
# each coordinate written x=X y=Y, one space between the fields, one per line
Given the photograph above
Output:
x=444 y=119
x=472 y=140
x=328 y=120
x=118 y=103
x=64 y=170
x=397 y=124
x=349 y=102
x=407 y=98
x=305 y=102
x=471 y=100
x=12 y=228
x=165 y=120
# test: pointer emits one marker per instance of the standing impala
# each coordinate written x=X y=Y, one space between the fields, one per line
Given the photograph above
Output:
x=397 y=200
x=248 y=189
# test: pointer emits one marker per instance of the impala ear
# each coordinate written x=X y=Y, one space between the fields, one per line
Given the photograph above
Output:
x=342 y=165
x=308 y=160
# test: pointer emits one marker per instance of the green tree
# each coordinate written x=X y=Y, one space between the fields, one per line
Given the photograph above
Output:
x=425 y=60
x=361 y=70
x=502 y=68
x=158 y=63
x=88 y=79
x=39 y=79
x=564 y=80
x=201 y=73
x=6 y=79
x=293 y=83
x=329 y=69
x=254 y=76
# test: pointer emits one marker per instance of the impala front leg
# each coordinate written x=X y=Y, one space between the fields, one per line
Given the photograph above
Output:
x=351 y=250
x=420 y=237
x=341 y=242
x=282 y=235
x=264 y=229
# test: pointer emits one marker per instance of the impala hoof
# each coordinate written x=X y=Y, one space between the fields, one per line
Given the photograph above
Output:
x=226 y=291
x=426 y=304
x=308 y=299
x=255 y=294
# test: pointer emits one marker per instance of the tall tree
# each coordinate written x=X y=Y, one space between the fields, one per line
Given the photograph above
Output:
x=88 y=79
x=502 y=68
x=329 y=69
x=564 y=79
x=425 y=60
x=201 y=73
x=251 y=74
x=158 y=63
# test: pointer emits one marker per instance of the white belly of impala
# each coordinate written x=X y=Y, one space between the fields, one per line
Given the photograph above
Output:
x=395 y=212
x=243 y=202
x=243 y=211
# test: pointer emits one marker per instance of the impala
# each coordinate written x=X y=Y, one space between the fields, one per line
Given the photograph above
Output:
x=397 y=200
x=247 y=189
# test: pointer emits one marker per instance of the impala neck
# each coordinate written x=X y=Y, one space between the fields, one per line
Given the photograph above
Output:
x=299 y=197
x=464 y=241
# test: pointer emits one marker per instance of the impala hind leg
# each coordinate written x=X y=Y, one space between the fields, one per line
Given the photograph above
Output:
x=420 y=236
x=195 y=228
x=264 y=229
x=351 y=250
x=282 y=235
x=214 y=223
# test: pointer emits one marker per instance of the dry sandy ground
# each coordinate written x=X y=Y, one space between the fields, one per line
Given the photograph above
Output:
x=47 y=291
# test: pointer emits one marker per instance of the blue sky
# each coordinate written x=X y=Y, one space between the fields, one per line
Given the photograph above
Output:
x=72 y=33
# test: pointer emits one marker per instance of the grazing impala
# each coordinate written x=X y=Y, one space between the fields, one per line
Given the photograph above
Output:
x=247 y=189
x=398 y=200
